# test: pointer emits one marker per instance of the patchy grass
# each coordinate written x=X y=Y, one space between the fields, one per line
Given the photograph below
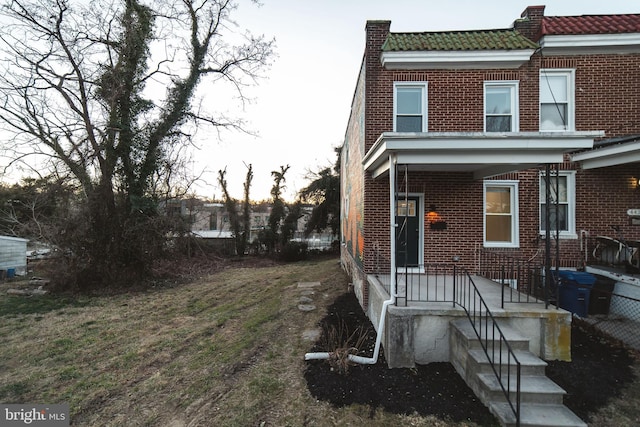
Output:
x=226 y=349
x=12 y=305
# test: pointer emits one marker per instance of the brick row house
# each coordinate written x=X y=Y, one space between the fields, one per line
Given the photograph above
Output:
x=471 y=137
x=470 y=119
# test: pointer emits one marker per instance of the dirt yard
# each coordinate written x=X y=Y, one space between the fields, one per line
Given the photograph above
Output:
x=224 y=345
x=598 y=375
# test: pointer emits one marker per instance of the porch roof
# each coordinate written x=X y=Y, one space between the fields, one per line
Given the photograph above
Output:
x=610 y=152
x=484 y=154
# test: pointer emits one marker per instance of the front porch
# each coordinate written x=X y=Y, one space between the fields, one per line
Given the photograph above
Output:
x=416 y=329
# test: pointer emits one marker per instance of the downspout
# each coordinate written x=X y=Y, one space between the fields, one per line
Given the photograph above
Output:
x=393 y=285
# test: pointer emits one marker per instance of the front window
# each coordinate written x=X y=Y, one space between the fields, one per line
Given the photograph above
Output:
x=501 y=106
x=501 y=214
x=562 y=203
x=556 y=100
x=410 y=107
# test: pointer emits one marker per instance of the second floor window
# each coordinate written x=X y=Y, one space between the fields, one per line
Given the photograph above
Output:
x=410 y=107
x=501 y=106
x=556 y=100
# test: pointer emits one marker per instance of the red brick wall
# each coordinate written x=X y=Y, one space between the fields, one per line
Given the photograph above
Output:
x=607 y=95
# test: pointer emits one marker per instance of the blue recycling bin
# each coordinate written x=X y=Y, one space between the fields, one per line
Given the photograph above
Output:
x=574 y=289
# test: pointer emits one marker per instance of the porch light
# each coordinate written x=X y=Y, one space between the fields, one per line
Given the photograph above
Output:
x=434 y=219
x=432 y=215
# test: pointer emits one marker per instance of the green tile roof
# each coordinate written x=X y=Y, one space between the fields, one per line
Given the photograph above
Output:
x=458 y=40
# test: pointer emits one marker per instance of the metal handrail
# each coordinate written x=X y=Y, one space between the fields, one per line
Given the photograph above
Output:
x=464 y=293
x=485 y=326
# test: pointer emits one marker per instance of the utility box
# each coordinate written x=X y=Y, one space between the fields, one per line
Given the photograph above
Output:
x=574 y=290
x=13 y=256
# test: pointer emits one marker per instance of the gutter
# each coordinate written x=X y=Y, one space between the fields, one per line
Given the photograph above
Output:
x=393 y=288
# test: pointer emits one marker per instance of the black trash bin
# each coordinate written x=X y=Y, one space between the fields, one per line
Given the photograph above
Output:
x=600 y=298
x=574 y=290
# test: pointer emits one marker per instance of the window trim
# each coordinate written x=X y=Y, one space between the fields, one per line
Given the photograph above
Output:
x=570 y=74
x=570 y=233
x=515 y=214
x=423 y=86
x=514 y=86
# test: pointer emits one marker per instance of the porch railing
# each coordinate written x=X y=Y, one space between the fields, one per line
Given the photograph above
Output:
x=523 y=280
x=502 y=358
x=449 y=283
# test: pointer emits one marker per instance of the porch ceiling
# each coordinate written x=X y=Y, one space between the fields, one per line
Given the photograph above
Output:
x=484 y=154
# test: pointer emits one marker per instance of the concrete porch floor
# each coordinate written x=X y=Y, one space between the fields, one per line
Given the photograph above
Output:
x=418 y=332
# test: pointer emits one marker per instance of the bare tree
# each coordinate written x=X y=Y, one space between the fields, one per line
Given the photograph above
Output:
x=108 y=90
x=246 y=208
x=324 y=192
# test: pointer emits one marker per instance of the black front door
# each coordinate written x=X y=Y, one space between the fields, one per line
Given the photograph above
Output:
x=407 y=231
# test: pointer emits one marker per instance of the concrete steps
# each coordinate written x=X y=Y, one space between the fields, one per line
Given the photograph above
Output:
x=530 y=363
x=533 y=389
x=537 y=415
x=540 y=398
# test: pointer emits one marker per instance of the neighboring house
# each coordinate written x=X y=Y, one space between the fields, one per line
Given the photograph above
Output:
x=210 y=220
x=13 y=256
x=447 y=149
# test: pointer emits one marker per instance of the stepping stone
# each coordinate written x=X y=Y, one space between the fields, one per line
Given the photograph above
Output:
x=306 y=307
x=305 y=300
x=311 y=334
x=308 y=285
x=307 y=292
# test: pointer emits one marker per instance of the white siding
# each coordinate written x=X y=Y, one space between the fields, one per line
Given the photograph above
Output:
x=13 y=254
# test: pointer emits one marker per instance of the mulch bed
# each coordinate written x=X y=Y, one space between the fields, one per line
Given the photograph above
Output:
x=600 y=367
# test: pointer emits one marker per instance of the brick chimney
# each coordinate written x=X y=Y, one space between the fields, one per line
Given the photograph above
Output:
x=377 y=32
x=530 y=22
x=376 y=87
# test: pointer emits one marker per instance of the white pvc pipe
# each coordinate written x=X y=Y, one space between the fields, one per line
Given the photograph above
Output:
x=392 y=289
x=316 y=356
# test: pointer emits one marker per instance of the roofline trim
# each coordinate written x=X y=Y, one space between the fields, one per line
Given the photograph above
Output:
x=471 y=59
x=622 y=42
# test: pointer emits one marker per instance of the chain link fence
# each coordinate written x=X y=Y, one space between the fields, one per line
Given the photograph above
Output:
x=615 y=314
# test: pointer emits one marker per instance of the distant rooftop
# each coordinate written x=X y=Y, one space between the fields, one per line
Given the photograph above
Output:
x=590 y=24
x=510 y=39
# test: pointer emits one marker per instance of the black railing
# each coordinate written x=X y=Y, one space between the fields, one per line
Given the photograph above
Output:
x=453 y=284
x=523 y=280
x=425 y=283
x=501 y=356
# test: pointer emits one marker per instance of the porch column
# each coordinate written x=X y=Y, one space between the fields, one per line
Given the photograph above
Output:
x=392 y=219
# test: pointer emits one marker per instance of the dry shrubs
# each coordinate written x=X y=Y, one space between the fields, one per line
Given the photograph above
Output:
x=340 y=343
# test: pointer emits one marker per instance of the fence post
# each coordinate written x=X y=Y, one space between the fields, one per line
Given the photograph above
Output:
x=455 y=280
x=502 y=283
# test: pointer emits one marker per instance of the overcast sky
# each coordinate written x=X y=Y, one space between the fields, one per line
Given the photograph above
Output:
x=301 y=110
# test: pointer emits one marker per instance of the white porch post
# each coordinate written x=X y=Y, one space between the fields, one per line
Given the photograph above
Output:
x=392 y=218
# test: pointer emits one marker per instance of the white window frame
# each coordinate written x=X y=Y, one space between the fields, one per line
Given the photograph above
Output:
x=515 y=223
x=514 y=87
x=417 y=85
x=570 y=233
x=569 y=75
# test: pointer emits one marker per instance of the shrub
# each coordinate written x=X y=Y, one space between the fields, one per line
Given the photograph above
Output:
x=294 y=251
